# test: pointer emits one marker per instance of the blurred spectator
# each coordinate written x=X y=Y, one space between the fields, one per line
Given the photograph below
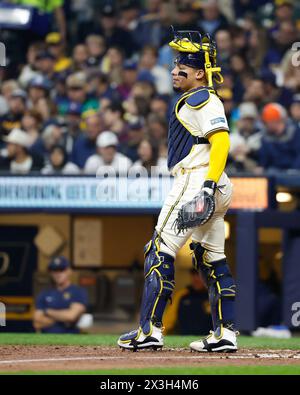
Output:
x=225 y=47
x=130 y=15
x=58 y=162
x=144 y=88
x=239 y=38
x=29 y=71
x=153 y=25
x=129 y=78
x=107 y=155
x=180 y=315
x=53 y=134
x=295 y=109
x=212 y=18
x=95 y=45
x=157 y=127
x=79 y=57
x=148 y=152
x=59 y=89
x=246 y=142
x=58 y=309
x=281 y=41
x=113 y=119
x=73 y=123
x=7 y=88
x=31 y=124
x=284 y=12
x=85 y=144
x=76 y=88
x=3 y=105
x=160 y=106
x=45 y=63
x=77 y=93
x=138 y=103
x=18 y=159
x=226 y=95
x=112 y=64
x=117 y=62
x=162 y=78
x=16 y=109
x=244 y=7
x=255 y=92
x=100 y=88
x=38 y=96
x=256 y=49
x=274 y=93
x=113 y=35
x=80 y=19
x=186 y=18
x=280 y=149
x=131 y=108
x=239 y=66
x=135 y=135
x=56 y=47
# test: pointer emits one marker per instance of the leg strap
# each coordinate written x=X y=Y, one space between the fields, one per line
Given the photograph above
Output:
x=159 y=284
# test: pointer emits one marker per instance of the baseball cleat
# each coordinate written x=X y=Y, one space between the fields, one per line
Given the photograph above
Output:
x=136 y=340
x=225 y=343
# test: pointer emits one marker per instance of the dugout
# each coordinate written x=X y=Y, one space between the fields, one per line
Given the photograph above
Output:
x=102 y=226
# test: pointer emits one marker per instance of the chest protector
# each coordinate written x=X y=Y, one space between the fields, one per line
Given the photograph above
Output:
x=180 y=139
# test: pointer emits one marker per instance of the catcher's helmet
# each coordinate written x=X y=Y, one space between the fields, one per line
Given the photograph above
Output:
x=197 y=51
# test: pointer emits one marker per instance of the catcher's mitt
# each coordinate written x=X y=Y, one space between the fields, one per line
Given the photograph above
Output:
x=196 y=212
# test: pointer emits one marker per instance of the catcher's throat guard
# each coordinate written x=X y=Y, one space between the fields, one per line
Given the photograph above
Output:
x=197 y=51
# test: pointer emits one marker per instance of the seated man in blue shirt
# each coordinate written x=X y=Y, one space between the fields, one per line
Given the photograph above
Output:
x=58 y=309
x=85 y=144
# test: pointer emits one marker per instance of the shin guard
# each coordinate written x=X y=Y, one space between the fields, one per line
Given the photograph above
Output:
x=159 y=285
x=221 y=287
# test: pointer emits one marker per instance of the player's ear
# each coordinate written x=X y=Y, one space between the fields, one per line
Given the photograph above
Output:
x=200 y=74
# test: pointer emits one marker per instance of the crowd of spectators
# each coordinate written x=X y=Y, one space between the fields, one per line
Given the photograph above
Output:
x=94 y=87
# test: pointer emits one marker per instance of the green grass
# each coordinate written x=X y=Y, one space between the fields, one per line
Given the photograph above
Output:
x=110 y=340
x=207 y=370
x=171 y=341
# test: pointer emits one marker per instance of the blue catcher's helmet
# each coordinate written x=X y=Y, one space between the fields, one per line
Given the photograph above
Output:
x=197 y=51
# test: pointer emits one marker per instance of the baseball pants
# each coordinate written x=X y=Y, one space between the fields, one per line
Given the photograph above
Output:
x=212 y=234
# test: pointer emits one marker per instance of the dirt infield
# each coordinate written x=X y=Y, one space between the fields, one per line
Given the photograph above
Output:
x=43 y=358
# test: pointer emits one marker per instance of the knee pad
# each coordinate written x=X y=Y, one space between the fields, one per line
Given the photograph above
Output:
x=199 y=261
x=159 y=284
x=220 y=284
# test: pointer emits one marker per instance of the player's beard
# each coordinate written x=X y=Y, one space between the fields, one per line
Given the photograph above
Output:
x=177 y=89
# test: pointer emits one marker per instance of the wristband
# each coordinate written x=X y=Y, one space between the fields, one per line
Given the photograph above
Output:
x=209 y=186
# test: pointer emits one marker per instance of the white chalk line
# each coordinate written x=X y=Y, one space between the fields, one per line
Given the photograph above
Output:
x=144 y=357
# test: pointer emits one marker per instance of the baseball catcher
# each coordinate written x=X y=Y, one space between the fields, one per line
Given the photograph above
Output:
x=198 y=145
